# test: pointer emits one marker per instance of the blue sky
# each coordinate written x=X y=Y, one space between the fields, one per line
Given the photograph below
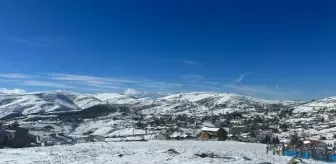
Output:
x=268 y=49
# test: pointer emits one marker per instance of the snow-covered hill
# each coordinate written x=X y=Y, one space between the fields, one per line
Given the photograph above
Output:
x=113 y=114
x=114 y=98
x=33 y=103
x=16 y=104
x=316 y=105
x=20 y=103
x=206 y=102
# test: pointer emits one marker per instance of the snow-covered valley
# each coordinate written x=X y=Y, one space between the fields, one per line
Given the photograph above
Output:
x=107 y=114
x=63 y=117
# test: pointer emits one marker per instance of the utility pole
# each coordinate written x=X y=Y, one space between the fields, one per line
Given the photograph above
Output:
x=195 y=123
x=133 y=128
x=134 y=122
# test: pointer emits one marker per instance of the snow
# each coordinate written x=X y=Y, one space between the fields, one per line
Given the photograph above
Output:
x=104 y=127
x=103 y=131
x=327 y=130
x=114 y=98
x=210 y=129
x=221 y=98
x=85 y=101
x=303 y=109
x=329 y=102
x=151 y=152
x=299 y=119
x=57 y=101
x=176 y=134
x=307 y=142
x=11 y=91
x=28 y=103
x=193 y=97
x=200 y=103
x=128 y=132
x=208 y=124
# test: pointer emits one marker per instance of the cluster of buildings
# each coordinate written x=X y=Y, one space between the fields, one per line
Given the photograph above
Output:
x=206 y=133
x=15 y=136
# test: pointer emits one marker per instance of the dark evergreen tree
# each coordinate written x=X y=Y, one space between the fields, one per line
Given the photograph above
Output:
x=266 y=140
x=295 y=140
x=275 y=140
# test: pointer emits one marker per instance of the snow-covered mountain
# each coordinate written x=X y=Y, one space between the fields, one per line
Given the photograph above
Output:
x=43 y=102
x=114 y=114
x=21 y=103
x=207 y=102
x=316 y=105
x=49 y=102
x=114 y=98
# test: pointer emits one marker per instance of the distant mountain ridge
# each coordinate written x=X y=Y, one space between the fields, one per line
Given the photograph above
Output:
x=20 y=103
x=45 y=102
x=114 y=114
x=328 y=103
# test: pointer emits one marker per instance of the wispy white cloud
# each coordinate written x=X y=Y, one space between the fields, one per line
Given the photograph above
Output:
x=253 y=89
x=211 y=83
x=45 y=84
x=241 y=77
x=25 y=41
x=83 y=81
x=108 y=82
x=88 y=79
x=263 y=91
x=160 y=85
x=98 y=83
x=192 y=77
x=132 y=92
x=191 y=62
x=92 y=89
x=11 y=91
x=16 y=76
x=206 y=87
x=86 y=82
x=105 y=86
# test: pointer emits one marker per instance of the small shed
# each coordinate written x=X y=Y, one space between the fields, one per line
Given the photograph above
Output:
x=213 y=133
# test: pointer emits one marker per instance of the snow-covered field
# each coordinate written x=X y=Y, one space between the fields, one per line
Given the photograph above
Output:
x=142 y=152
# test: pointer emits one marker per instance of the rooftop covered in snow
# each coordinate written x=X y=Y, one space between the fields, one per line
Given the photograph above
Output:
x=210 y=129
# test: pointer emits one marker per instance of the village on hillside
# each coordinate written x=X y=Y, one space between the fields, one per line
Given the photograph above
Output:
x=304 y=134
x=289 y=128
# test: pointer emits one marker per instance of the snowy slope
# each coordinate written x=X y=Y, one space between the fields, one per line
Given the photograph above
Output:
x=20 y=103
x=326 y=103
x=221 y=97
x=205 y=102
x=86 y=101
x=114 y=98
x=151 y=152
x=44 y=102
